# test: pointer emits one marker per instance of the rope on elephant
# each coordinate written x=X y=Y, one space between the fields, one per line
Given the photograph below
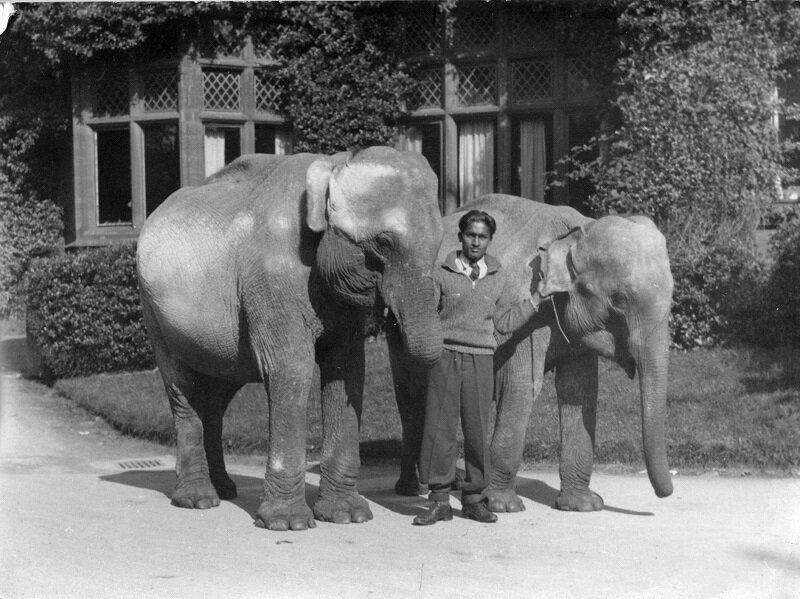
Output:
x=558 y=322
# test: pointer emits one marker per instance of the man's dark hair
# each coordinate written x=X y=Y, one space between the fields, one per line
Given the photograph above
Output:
x=477 y=216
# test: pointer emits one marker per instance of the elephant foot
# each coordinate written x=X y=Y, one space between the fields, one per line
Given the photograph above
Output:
x=504 y=500
x=579 y=501
x=225 y=487
x=284 y=515
x=197 y=493
x=343 y=509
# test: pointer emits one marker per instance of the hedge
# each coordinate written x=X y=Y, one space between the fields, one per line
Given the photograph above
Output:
x=28 y=229
x=84 y=315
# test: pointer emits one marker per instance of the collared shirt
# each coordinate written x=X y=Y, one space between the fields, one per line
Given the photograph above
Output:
x=466 y=268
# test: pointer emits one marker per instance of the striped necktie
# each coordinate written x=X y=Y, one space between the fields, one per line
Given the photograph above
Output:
x=475 y=272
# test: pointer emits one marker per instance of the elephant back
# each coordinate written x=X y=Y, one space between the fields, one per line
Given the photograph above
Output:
x=522 y=226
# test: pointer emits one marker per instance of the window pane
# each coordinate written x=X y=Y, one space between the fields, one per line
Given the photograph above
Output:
x=582 y=127
x=162 y=170
x=113 y=176
x=271 y=139
x=432 y=148
x=532 y=156
x=265 y=139
x=426 y=139
x=233 y=144
x=222 y=145
x=475 y=160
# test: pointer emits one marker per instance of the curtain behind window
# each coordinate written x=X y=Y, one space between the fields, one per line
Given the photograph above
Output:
x=475 y=160
x=412 y=140
x=533 y=159
x=283 y=141
x=214 y=150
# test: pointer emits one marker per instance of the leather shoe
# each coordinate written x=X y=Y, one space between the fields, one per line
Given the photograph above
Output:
x=478 y=511
x=440 y=510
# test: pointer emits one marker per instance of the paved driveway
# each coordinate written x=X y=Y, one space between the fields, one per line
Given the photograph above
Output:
x=85 y=512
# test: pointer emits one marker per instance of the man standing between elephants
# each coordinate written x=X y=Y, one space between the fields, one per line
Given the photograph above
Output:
x=472 y=290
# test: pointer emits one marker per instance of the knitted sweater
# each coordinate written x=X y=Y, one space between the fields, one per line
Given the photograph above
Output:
x=467 y=308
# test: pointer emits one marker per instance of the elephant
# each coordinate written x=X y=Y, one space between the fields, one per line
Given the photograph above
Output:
x=607 y=291
x=266 y=268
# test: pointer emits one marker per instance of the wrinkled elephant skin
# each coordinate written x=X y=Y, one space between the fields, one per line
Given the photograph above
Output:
x=609 y=290
x=265 y=268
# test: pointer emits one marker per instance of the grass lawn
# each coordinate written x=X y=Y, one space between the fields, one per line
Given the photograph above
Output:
x=728 y=409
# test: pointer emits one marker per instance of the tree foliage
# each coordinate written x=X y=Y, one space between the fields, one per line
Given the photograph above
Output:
x=695 y=146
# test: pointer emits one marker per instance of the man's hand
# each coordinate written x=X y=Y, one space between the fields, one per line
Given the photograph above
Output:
x=535 y=299
x=537 y=284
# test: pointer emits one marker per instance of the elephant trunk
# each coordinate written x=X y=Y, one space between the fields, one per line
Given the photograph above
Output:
x=652 y=361
x=414 y=308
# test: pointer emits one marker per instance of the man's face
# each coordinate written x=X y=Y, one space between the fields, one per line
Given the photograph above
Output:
x=474 y=240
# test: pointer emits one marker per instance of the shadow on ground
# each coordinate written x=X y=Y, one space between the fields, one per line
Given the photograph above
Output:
x=249 y=488
x=775 y=560
x=544 y=494
x=379 y=490
x=16 y=356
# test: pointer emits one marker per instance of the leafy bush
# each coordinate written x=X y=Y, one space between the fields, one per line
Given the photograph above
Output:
x=28 y=229
x=718 y=295
x=84 y=315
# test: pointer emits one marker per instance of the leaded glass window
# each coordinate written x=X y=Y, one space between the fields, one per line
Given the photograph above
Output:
x=162 y=171
x=268 y=92
x=113 y=172
x=475 y=29
x=531 y=31
x=423 y=31
x=112 y=95
x=531 y=80
x=476 y=84
x=160 y=91
x=429 y=90
x=580 y=76
x=221 y=90
x=220 y=39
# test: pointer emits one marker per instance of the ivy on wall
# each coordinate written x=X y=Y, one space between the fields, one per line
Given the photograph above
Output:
x=343 y=78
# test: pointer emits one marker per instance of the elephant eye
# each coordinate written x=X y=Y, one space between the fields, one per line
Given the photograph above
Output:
x=619 y=301
x=384 y=242
x=380 y=246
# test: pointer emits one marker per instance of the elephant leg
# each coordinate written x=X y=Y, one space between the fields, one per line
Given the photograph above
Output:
x=288 y=384
x=342 y=380
x=576 y=387
x=188 y=402
x=410 y=391
x=219 y=394
x=513 y=390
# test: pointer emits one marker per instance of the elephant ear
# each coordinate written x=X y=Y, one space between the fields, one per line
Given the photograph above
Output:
x=557 y=267
x=318 y=177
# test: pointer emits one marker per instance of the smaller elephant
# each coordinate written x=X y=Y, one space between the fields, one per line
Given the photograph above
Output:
x=608 y=290
x=266 y=269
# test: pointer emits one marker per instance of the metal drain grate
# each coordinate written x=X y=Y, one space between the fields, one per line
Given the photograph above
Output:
x=140 y=464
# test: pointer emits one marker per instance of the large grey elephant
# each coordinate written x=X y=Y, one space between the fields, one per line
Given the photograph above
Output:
x=266 y=267
x=608 y=290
